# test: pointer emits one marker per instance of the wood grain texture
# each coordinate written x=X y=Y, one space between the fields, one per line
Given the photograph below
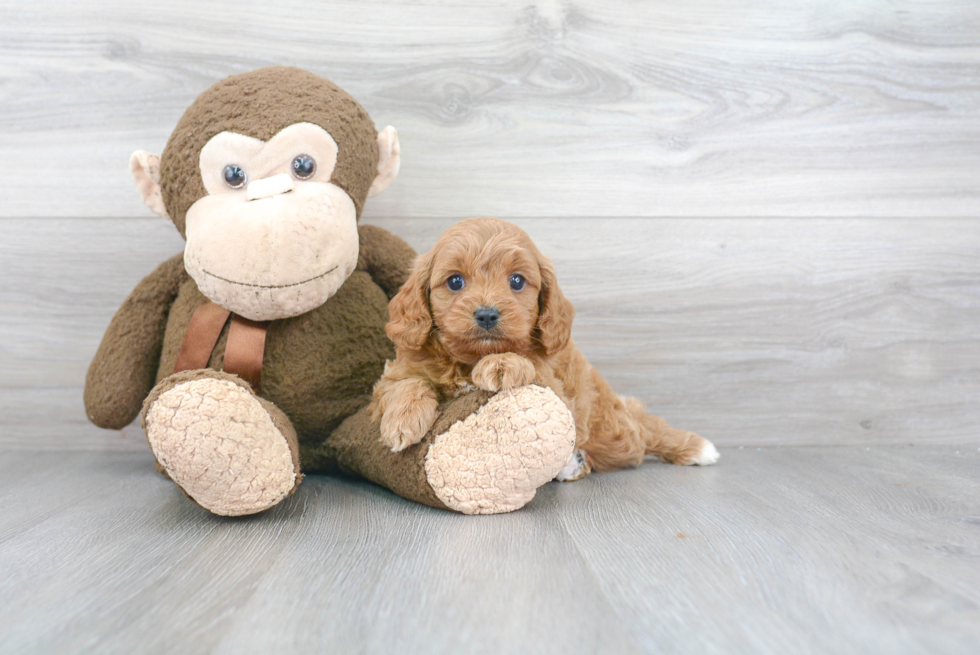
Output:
x=854 y=544
x=805 y=550
x=529 y=107
x=750 y=332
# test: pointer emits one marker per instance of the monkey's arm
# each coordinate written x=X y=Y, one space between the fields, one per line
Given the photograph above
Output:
x=387 y=258
x=125 y=366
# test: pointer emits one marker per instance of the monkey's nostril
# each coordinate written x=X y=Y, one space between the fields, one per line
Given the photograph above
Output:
x=486 y=317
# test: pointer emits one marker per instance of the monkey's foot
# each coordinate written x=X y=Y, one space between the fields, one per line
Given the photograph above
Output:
x=228 y=450
x=494 y=460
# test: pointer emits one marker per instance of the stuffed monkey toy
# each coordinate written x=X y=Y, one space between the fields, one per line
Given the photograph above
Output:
x=251 y=355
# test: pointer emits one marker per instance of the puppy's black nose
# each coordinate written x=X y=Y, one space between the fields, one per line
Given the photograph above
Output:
x=486 y=316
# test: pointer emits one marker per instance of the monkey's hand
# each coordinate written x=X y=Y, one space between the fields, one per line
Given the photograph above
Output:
x=125 y=367
x=407 y=410
x=503 y=371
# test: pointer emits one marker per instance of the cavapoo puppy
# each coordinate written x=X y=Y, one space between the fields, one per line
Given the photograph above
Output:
x=482 y=308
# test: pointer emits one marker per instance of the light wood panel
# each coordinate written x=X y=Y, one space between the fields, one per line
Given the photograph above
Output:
x=805 y=550
x=854 y=544
x=748 y=331
x=529 y=108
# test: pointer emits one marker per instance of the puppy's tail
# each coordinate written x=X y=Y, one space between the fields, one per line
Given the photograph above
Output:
x=669 y=444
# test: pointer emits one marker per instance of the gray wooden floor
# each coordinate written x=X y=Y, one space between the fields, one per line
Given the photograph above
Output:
x=785 y=550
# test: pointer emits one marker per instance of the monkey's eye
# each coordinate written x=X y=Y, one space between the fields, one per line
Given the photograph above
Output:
x=455 y=282
x=517 y=282
x=303 y=167
x=235 y=176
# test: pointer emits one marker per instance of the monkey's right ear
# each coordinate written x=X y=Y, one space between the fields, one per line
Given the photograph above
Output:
x=145 y=168
x=389 y=160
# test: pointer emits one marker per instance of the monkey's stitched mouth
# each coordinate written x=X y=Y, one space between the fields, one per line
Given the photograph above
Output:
x=269 y=286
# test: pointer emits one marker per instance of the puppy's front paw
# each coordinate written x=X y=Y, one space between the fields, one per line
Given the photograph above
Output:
x=405 y=426
x=503 y=371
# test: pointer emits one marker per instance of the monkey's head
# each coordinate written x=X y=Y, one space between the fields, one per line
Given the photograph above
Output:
x=265 y=177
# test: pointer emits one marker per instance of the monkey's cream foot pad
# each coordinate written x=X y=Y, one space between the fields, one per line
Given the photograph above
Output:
x=494 y=460
x=219 y=444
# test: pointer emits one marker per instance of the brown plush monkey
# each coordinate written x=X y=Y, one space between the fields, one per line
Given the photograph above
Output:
x=253 y=353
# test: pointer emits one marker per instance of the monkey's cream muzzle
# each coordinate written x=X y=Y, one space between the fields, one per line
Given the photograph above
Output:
x=273 y=252
x=280 y=246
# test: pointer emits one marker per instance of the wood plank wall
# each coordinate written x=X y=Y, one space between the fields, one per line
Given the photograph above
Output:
x=766 y=213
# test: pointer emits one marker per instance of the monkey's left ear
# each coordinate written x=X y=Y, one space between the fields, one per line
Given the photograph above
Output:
x=389 y=160
x=145 y=168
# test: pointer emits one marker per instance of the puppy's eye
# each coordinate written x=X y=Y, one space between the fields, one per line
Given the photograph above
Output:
x=517 y=282
x=303 y=167
x=235 y=176
x=455 y=283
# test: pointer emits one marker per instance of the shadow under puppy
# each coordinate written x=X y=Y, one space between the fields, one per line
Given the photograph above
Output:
x=482 y=308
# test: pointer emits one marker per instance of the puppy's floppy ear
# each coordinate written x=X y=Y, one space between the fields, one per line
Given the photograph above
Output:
x=555 y=311
x=409 y=319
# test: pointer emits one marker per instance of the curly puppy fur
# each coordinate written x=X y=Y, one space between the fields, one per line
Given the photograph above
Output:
x=442 y=348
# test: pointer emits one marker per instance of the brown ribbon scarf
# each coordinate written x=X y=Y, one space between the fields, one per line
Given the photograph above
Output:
x=245 y=349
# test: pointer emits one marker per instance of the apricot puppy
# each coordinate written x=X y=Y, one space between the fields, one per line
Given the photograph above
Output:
x=482 y=308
